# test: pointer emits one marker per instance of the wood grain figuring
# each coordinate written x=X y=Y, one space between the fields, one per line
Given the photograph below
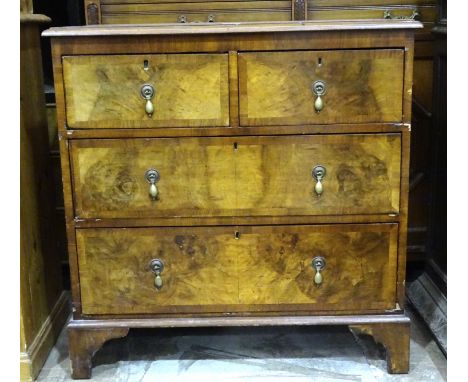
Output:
x=360 y=269
x=104 y=91
x=196 y=177
x=199 y=268
x=206 y=268
x=274 y=174
x=361 y=86
x=237 y=176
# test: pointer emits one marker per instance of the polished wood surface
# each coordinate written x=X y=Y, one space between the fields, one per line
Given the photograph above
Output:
x=234 y=27
x=425 y=14
x=87 y=336
x=237 y=176
x=105 y=91
x=43 y=308
x=85 y=343
x=189 y=12
x=361 y=86
x=359 y=222
x=256 y=268
x=205 y=43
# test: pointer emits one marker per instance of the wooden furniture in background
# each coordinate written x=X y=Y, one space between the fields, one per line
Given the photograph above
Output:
x=44 y=305
x=428 y=293
x=265 y=207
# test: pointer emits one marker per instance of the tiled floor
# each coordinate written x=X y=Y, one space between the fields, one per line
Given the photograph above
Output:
x=250 y=354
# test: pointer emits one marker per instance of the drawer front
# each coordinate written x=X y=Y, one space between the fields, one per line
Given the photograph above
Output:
x=183 y=16
x=237 y=176
x=421 y=10
x=106 y=91
x=187 y=12
x=208 y=269
x=361 y=86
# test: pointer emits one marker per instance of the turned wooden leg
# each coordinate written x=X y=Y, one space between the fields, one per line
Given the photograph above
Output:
x=84 y=343
x=395 y=337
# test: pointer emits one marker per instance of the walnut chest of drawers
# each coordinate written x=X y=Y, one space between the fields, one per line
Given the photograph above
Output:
x=235 y=174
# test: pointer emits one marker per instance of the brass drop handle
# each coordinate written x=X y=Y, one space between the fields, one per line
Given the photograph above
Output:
x=157 y=267
x=147 y=92
x=319 y=88
x=318 y=263
x=318 y=173
x=152 y=177
x=414 y=16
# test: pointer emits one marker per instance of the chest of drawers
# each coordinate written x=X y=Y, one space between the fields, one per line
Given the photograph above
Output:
x=235 y=174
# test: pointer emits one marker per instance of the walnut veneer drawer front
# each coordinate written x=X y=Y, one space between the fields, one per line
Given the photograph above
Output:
x=354 y=86
x=260 y=269
x=237 y=176
x=182 y=90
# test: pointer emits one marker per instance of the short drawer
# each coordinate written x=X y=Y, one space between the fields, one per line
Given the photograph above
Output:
x=357 y=86
x=107 y=91
x=237 y=176
x=237 y=269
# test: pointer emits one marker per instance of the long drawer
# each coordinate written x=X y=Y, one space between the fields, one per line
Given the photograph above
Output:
x=280 y=88
x=196 y=11
x=108 y=91
x=237 y=269
x=237 y=176
x=421 y=10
